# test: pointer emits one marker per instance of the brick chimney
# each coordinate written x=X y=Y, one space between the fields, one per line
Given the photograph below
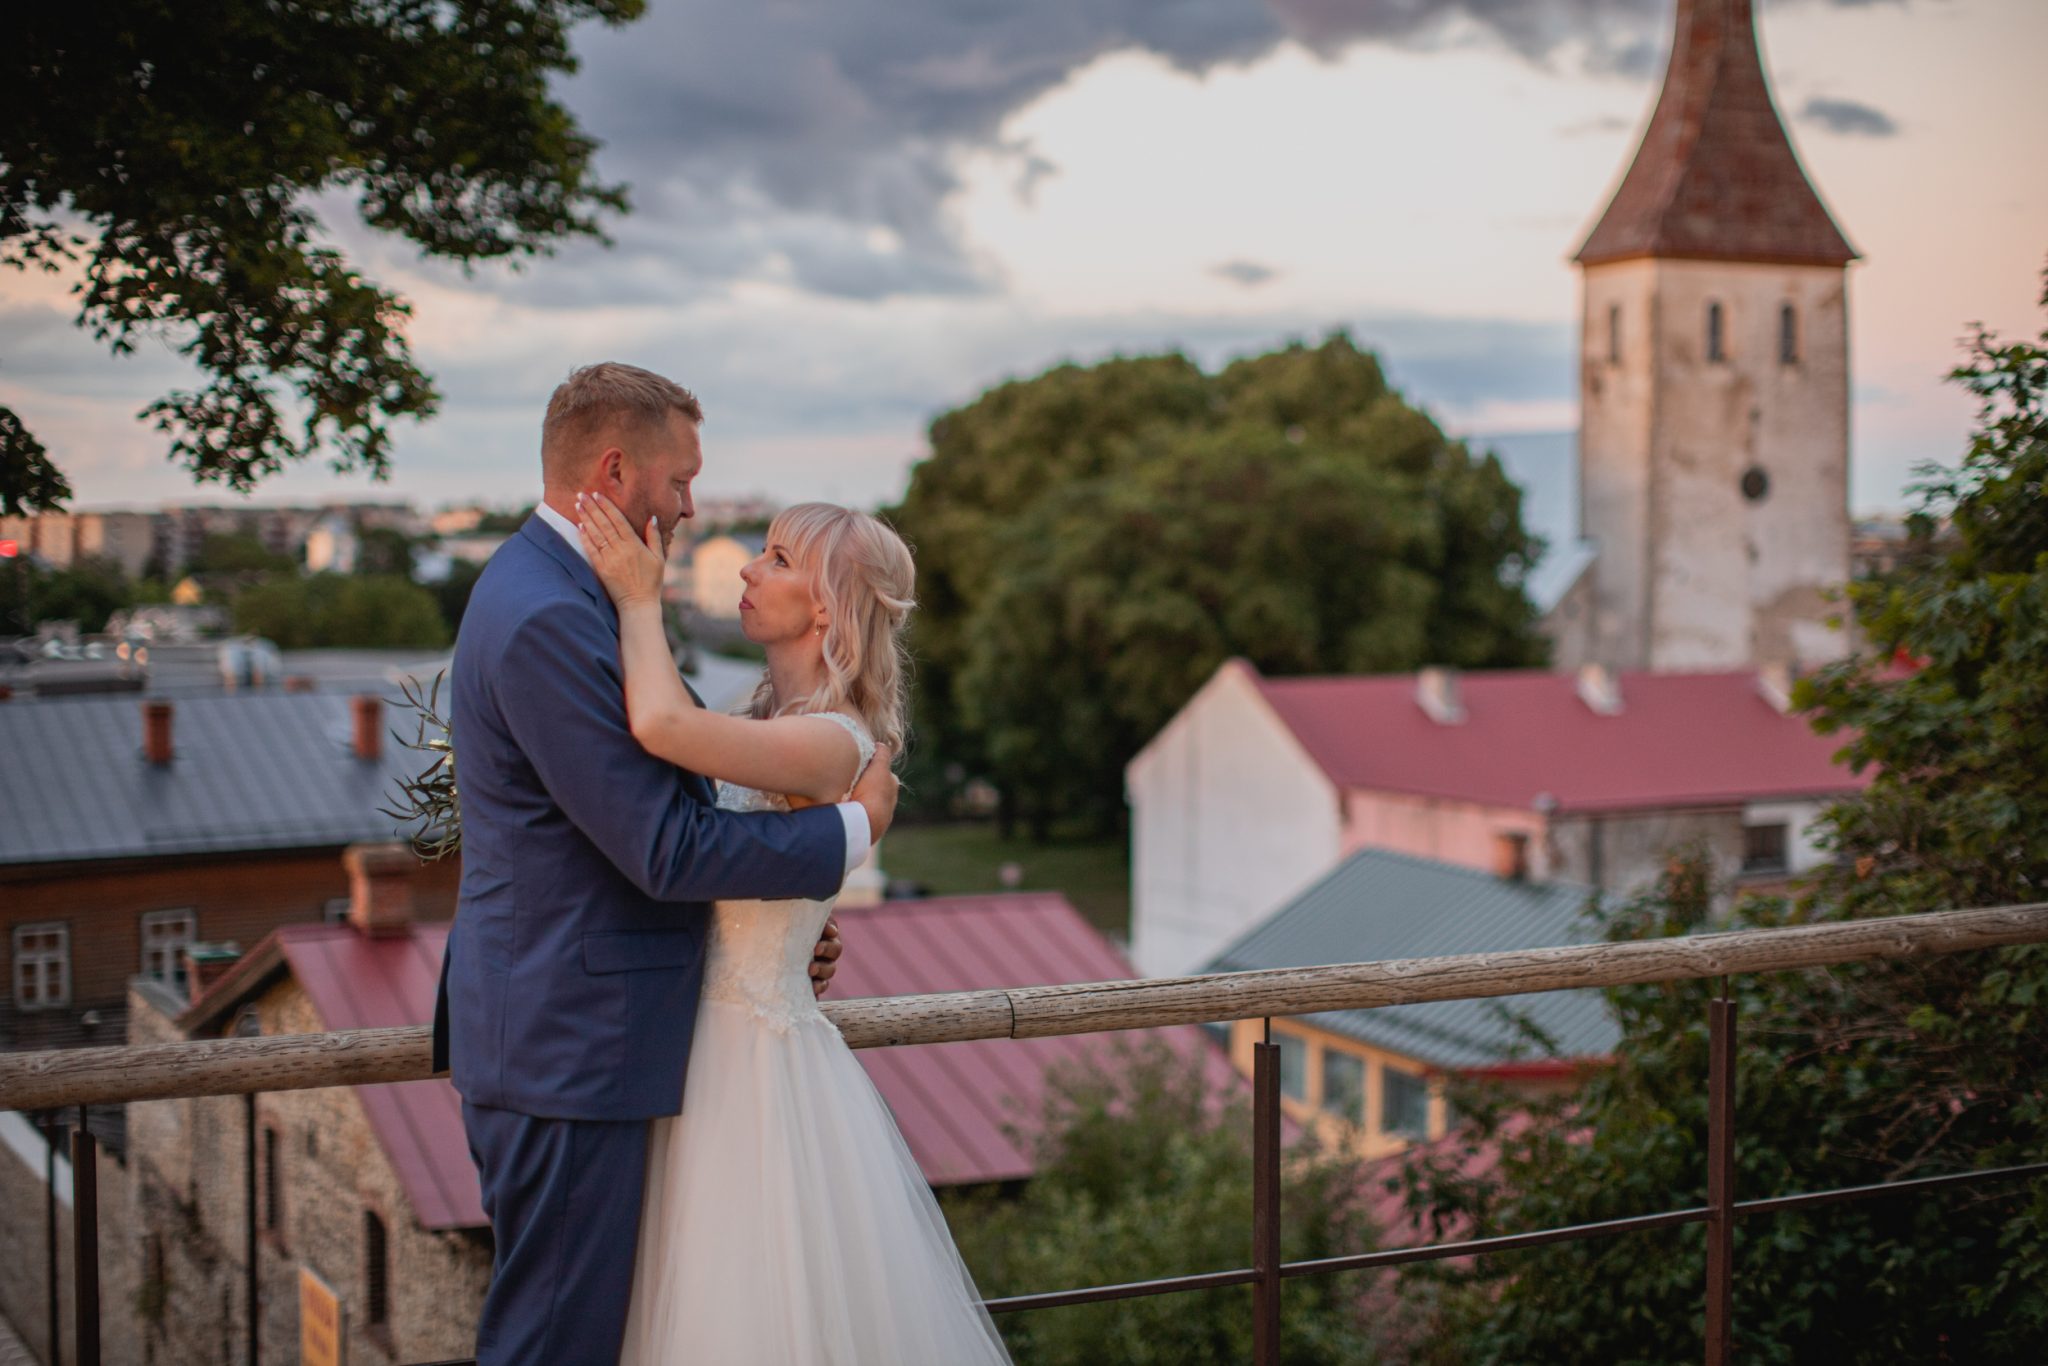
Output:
x=1436 y=692
x=380 y=887
x=206 y=964
x=156 y=730
x=1600 y=690
x=1774 y=680
x=368 y=710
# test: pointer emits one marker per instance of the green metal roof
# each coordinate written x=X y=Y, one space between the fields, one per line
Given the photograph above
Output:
x=1378 y=905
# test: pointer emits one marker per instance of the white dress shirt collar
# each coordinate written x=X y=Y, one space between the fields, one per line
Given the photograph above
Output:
x=564 y=528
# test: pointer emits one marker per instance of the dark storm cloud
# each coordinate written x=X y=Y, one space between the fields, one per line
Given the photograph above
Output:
x=1849 y=117
x=816 y=142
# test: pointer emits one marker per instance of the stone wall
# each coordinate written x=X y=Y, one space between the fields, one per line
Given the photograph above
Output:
x=189 y=1239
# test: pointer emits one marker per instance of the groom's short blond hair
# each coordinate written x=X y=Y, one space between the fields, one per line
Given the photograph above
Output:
x=597 y=400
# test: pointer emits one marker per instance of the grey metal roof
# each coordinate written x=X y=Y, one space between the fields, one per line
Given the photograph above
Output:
x=251 y=771
x=1379 y=905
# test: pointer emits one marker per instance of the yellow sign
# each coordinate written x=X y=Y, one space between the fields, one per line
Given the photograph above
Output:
x=319 y=1322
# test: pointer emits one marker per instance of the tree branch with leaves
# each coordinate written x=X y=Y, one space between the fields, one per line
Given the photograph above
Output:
x=167 y=157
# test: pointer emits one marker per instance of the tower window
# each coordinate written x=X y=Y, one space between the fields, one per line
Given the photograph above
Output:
x=1614 y=334
x=1755 y=483
x=1716 y=346
x=1788 y=336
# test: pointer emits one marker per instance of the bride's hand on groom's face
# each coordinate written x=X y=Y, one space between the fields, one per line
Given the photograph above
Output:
x=627 y=563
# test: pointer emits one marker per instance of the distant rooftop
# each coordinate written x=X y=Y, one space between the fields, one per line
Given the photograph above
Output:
x=1378 y=905
x=1677 y=740
x=966 y=1110
x=252 y=771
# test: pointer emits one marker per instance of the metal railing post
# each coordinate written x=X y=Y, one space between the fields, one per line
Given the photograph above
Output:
x=1266 y=1200
x=252 y=1290
x=50 y=1125
x=85 y=1242
x=1720 y=1180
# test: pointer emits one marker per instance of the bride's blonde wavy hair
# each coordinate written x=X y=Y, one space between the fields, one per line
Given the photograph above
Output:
x=862 y=572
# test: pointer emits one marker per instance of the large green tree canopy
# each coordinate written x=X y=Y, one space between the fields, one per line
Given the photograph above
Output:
x=167 y=152
x=1094 y=542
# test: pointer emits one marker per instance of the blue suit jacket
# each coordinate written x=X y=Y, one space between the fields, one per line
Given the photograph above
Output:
x=569 y=989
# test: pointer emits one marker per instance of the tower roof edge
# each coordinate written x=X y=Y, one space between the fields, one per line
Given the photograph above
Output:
x=1715 y=177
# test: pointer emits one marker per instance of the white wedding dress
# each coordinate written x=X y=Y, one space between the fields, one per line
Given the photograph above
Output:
x=785 y=1222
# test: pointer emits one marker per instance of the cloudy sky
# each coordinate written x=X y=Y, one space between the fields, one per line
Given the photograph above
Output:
x=853 y=214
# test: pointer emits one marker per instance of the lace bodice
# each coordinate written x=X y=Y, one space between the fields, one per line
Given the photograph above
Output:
x=760 y=951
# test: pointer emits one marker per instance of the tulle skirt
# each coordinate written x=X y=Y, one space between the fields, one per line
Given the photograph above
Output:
x=785 y=1221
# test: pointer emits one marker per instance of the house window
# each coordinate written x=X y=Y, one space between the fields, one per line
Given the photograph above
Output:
x=1716 y=347
x=376 y=1271
x=273 y=1208
x=1614 y=334
x=1404 y=1104
x=1293 y=1065
x=1788 y=335
x=1344 y=1085
x=1763 y=848
x=42 y=966
x=165 y=936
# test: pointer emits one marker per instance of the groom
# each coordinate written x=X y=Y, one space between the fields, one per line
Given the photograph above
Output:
x=569 y=987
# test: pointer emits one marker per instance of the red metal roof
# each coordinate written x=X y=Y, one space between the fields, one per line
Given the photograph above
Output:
x=955 y=1101
x=1716 y=177
x=1701 y=739
x=357 y=982
x=952 y=1101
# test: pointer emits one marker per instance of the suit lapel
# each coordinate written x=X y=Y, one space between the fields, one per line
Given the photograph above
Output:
x=575 y=566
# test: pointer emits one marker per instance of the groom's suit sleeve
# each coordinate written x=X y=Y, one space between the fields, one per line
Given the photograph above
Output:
x=560 y=692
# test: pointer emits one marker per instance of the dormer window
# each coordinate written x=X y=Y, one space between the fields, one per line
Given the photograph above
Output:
x=1717 y=350
x=1788 y=335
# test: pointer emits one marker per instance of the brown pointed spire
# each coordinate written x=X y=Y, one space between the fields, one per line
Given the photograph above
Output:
x=1716 y=177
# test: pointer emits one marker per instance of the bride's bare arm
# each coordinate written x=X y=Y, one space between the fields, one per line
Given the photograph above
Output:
x=803 y=756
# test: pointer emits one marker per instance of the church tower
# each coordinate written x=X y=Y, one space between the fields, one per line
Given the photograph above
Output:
x=1714 y=382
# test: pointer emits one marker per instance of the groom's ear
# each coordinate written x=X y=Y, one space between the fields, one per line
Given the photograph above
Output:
x=610 y=471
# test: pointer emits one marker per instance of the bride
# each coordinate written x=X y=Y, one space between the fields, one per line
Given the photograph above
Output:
x=785 y=1222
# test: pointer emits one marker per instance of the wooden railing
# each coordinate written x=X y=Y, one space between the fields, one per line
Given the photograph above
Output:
x=216 y=1067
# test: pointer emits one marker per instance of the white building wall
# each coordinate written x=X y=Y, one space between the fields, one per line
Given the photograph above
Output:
x=715 y=576
x=1229 y=819
x=1692 y=572
x=1615 y=414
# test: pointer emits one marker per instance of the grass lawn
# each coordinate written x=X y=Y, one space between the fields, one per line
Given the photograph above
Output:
x=956 y=859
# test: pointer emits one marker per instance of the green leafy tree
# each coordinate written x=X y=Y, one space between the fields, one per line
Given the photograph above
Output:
x=88 y=592
x=1093 y=543
x=342 y=611
x=1861 y=1074
x=385 y=550
x=170 y=154
x=1142 y=1172
x=225 y=556
x=451 y=595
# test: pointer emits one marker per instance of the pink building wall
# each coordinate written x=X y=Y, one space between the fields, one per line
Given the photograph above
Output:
x=1440 y=828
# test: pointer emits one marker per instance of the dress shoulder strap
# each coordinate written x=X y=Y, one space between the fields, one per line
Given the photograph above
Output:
x=859 y=733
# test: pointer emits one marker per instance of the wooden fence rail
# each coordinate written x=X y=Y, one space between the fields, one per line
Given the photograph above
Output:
x=213 y=1067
